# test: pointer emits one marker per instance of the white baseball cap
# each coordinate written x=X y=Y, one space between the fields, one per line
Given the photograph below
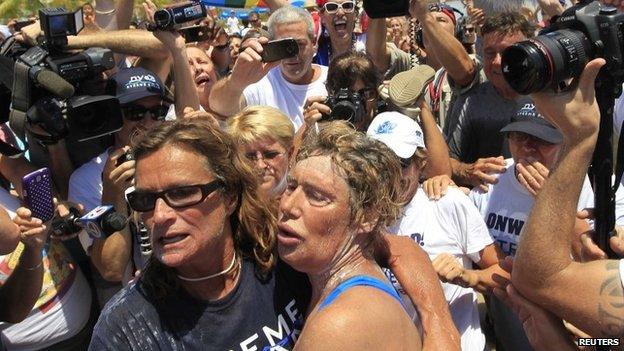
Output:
x=399 y=132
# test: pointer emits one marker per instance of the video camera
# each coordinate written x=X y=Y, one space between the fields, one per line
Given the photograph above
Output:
x=346 y=105
x=52 y=87
x=175 y=17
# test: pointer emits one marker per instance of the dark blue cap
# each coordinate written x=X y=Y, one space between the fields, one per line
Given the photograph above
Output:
x=527 y=120
x=132 y=84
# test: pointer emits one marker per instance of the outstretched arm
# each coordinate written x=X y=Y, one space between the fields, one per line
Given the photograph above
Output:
x=543 y=270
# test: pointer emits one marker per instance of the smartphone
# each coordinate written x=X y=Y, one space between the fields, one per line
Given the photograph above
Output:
x=195 y=34
x=279 y=49
x=37 y=190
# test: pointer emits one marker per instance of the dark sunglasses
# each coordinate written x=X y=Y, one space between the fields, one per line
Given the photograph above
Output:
x=180 y=197
x=332 y=7
x=267 y=155
x=136 y=113
x=469 y=29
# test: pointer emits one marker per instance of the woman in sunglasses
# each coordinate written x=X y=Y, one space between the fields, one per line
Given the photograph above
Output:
x=266 y=136
x=338 y=18
x=212 y=282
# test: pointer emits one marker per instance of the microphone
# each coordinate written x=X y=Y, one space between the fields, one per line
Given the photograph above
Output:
x=112 y=222
x=51 y=81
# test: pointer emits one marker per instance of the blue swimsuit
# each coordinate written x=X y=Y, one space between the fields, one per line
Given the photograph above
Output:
x=359 y=280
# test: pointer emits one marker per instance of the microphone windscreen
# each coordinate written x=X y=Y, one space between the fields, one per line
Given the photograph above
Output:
x=53 y=83
x=113 y=222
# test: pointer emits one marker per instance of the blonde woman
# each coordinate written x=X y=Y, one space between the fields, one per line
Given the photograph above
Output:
x=265 y=136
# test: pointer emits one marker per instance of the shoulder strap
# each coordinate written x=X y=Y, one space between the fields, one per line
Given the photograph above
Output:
x=360 y=280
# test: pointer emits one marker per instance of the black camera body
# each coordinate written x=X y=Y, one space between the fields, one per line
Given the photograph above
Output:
x=174 y=17
x=345 y=105
x=386 y=9
x=57 y=24
x=583 y=32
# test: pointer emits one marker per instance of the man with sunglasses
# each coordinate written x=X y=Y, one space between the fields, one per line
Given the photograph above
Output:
x=535 y=145
x=338 y=18
x=104 y=179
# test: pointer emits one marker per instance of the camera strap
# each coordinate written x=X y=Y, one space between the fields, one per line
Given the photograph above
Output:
x=619 y=163
x=21 y=100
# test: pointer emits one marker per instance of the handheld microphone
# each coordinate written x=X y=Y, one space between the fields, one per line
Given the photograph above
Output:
x=51 y=81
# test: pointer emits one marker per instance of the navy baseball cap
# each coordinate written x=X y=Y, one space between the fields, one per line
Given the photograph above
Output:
x=527 y=120
x=135 y=83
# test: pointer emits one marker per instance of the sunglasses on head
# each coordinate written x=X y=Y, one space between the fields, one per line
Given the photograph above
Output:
x=332 y=7
x=180 y=197
x=136 y=113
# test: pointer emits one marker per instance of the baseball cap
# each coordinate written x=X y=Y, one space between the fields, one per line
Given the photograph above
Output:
x=527 y=120
x=135 y=83
x=399 y=132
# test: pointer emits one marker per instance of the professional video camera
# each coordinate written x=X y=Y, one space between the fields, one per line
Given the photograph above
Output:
x=346 y=105
x=555 y=60
x=175 y=17
x=47 y=78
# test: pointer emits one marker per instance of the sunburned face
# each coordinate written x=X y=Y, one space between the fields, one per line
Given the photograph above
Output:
x=183 y=238
x=270 y=159
x=314 y=216
x=202 y=69
x=297 y=69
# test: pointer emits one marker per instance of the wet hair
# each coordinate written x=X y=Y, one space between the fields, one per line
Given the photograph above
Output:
x=507 y=23
x=345 y=69
x=369 y=167
x=253 y=222
x=261 y=122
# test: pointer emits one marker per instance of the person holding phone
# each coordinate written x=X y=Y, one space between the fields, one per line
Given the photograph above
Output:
x=284 y=84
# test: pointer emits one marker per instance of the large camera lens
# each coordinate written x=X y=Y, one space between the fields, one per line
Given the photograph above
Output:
x=546 y=61
x=163 y=19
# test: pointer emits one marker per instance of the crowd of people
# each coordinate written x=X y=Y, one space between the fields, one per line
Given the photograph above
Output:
x=361 y=194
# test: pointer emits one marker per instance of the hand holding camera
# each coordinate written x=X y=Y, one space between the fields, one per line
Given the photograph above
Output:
x=314 y=109
x=161 y=30
x=250 y=68
x=117 y=176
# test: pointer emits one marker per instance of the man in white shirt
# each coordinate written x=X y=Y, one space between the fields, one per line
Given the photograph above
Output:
x=284 y=84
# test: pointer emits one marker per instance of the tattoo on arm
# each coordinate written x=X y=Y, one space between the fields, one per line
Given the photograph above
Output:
x=611 y=303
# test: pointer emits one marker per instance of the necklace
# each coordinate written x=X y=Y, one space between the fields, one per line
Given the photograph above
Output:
x=212 y=275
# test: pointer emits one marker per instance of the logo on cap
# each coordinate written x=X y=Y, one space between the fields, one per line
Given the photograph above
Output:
x=147 y=81
x=386 y=127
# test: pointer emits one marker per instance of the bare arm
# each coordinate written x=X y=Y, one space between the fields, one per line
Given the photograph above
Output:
x=185 y=91
x=543 y=270
x=61 y=167
x=9 y=233
x=439 y=161
x=21 y=290
x=412 y=267
x=444 y=46
x=130 y=42
x=123 y=15
x=14 y=169
x=376 y=44
x=226 y=97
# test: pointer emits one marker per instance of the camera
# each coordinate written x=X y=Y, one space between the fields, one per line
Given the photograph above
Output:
x=57 y=24
x=102 y=221
x=54 y=88
x=559 y=54
x=127 y=156
x=346 y=105
x=172 y=18
x=386 y=9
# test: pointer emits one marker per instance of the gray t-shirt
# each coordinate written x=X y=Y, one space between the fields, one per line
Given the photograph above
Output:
x=474 y=122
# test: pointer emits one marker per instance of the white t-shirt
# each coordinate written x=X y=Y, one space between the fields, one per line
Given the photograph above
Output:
x=273 y=90
x=63 y=307
x=85 y=187
x=506 y=206
x=450 y=225
x=232 y=23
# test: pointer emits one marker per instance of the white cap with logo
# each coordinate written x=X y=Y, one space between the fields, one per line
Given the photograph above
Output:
x=399 y=132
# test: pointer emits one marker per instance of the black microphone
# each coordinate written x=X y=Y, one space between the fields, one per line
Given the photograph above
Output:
x=51 y=81
x=113 y=222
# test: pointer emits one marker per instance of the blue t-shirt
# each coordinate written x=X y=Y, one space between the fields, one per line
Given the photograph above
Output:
x=259 y=313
